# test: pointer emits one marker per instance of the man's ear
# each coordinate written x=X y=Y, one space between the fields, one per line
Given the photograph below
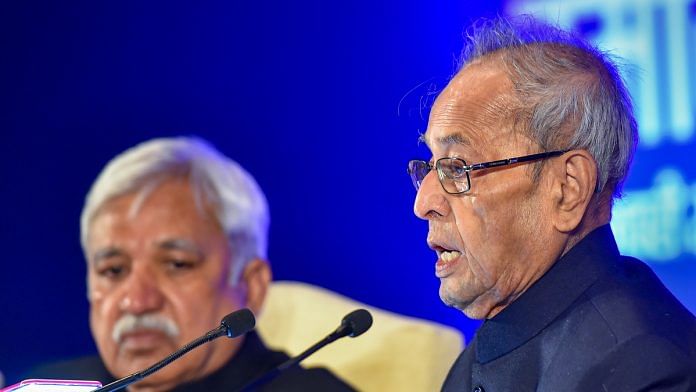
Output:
x=256 y=277
x=574 y=182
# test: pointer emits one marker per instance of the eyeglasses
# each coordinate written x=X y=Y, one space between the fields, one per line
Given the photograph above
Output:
x=454 y=172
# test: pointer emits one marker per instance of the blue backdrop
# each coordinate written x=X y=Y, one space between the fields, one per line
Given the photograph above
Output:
x=323 y=103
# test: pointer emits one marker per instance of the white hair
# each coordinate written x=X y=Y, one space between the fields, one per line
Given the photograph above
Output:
x=238 y=202
x=572 y=95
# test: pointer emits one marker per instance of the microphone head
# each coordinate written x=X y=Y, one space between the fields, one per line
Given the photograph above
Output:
x=357 y=322
x=238 y=323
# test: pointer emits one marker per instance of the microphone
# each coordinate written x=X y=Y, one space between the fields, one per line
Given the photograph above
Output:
x=353 y=324
x=234 y=324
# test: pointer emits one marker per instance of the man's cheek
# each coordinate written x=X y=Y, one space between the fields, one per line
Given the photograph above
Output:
x=101 y=318
x=94 y=294
x=473 y=220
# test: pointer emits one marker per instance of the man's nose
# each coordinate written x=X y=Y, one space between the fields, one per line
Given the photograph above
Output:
x=430 y=199
x=142 y=293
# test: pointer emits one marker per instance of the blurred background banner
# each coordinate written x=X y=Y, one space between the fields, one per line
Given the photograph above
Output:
x=323 y=103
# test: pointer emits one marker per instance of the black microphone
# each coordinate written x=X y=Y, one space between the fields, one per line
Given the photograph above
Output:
x=233 y=325
x=353 y=324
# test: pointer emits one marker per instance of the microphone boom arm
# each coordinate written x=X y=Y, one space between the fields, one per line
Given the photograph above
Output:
x=354 y=324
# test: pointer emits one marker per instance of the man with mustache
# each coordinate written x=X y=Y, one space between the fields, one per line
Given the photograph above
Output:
x=531 y=141
x=175 y=235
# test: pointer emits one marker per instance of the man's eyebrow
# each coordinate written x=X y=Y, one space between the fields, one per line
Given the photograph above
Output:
x=106 y=253
x=179 y=244
x=447 y=140
x=453 y=138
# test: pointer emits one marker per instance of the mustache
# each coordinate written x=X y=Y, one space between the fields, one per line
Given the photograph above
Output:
x=130 y=322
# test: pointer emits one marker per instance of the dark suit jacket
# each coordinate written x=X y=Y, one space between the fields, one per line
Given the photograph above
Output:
x=252 y=360
x=596 y=321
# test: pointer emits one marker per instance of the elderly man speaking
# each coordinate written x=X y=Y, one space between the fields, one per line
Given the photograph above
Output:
x=531 y=141
x=174 y=234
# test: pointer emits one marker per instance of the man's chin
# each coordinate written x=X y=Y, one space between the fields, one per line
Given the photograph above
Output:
x=451 y=301
x=137 y=359
x=476 y=308
x=455 y=300
x=135 y=364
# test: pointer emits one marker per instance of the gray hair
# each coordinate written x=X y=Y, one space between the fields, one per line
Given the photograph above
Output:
x=239 y=204
x=570 y=93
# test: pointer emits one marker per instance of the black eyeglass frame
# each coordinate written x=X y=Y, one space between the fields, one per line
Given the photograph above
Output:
x=469 y=168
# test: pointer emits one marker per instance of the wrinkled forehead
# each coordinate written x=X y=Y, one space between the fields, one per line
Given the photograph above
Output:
x=477 y=105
